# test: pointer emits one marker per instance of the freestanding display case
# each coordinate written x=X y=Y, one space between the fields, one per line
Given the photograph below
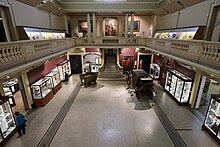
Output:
x=63 y=68
x=178 y=85
x=42 y=91
x=54 y=76
x=7 y=122
x=154 y=71
x=212 y=119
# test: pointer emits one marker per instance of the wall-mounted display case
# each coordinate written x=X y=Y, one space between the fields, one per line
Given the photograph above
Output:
x=178 y=85
x=42 y=91
x=54 y=76
x=7 y=122
x=26 y=33
x=181 y=33
x=154 y=71
x=63 y=68
x=212 y=119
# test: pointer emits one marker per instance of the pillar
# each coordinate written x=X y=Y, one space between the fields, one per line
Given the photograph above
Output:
x=27 y=88
x=23 y=94
x=6 y=25
x=94 y=25
x=2 y=93
x=132 y=25
x=66 y=25
x=89 y=26
x=126 y=25
x=154 y=25
x=195 y=88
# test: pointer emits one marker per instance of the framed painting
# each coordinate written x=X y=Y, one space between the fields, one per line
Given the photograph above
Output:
x=83 y=26
x=110 y=26
x=136 y=26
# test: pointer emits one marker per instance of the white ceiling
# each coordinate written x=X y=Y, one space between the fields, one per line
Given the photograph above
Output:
x=113 y=7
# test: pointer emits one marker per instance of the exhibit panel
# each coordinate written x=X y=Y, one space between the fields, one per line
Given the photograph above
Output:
x=54 y=76
x=212 y=119
x=7 y=122
x=154 y=71
x=42 y=91
x=63 y=68
x=178 y=85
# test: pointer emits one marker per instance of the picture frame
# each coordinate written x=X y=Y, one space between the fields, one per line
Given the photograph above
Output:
x=110 y=26
x=136 y=26
x=125 y=58
x=83 y=26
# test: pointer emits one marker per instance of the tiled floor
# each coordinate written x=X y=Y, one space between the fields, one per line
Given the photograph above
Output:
x=106 y=115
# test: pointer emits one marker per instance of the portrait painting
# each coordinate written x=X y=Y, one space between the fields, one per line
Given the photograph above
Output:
x=110 y=27
x=136 y=26
x=83 y=26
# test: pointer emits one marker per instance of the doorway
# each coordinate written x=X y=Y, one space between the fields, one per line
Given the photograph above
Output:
x=76 y=64
x=3 y=37
x=145 y=61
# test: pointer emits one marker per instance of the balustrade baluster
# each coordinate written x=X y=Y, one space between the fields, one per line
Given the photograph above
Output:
x=19 y=52
x=207 y=52
x=215 y=54
x=12 y=52
x=15 y=52
x=218 y=58
x=211 y=52
x=204 y=52
x=4 y=54
x=8 y=53
x=1 y=57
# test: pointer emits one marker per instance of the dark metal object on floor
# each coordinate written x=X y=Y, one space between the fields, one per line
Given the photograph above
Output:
x=88 y=79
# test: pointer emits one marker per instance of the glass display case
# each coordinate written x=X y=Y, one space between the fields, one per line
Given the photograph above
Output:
x=178 y=85
x=212 y=119
x=7 y=122
x=42 y=91
x=63 y=68
x=54 y=76
x=154 y=71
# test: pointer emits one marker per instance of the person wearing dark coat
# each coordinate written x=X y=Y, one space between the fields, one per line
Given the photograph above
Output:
x=20 y=123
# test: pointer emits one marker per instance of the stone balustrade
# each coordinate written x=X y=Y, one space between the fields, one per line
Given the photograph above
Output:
x=205 y=53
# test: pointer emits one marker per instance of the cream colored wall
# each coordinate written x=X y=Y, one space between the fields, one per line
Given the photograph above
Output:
x=145 y=24
x=191 y=16
x=167 y=21
x=26 y=15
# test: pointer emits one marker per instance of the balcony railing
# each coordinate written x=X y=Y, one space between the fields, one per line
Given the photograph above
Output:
x=13 y=54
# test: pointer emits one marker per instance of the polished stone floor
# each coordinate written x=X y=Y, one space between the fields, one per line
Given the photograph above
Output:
x=105 y=115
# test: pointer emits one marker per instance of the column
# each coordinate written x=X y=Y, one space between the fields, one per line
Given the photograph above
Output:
x=2 y=93
x=23 y=94
x=89 y=26
x=6 y=25
x=195 y=88
x=154 y=25
x=132 y=25
x=66 y=25
x=94 y=25
x=27 y=89
x=126 y=25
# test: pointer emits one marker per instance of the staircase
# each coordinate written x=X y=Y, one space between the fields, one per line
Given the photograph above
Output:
x=110 y=71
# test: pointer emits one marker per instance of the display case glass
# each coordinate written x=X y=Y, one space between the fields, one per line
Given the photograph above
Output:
x=63 y=68
x=54 y=76
x=154 y=71
x=178 y=85
x=212 y=119
x=41 y=88
x=7 y=122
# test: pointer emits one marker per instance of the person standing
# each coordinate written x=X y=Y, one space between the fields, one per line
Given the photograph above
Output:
x=20 y=123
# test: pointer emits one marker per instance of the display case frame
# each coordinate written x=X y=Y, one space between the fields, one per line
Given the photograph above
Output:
x=178 y=86
x=56 y=81
x=7 y=121
x=154 y=71
x=63 y=68
x=211 y=123
x=42 y=91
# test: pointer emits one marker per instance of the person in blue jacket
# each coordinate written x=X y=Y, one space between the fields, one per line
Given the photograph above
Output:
x=20 y=123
